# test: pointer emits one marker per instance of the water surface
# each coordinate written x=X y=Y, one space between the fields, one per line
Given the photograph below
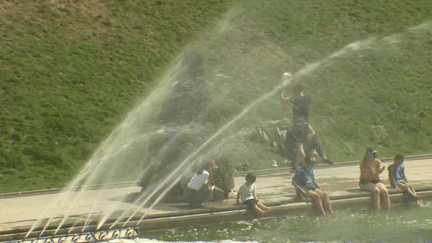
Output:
x=402 y=224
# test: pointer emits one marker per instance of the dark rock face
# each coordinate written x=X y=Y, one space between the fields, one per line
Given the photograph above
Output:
x=189 y=99
x=183 y=115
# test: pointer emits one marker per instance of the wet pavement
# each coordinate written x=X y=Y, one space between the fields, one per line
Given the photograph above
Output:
x=21 y=210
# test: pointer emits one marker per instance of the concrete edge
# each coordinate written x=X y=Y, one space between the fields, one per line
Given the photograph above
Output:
x=215 y=216
x=240 y=173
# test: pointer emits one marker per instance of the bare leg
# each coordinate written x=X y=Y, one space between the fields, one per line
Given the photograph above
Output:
x=385 y=197
x=325 y=200
x=317 y=199
x=370 y=187
x=260 y=212
x=414 y=193
x=409 y=189
x=262 y=206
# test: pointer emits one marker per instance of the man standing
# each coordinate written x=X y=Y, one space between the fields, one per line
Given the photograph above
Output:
x=301 y=109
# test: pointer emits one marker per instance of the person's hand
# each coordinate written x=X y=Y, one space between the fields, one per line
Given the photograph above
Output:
x=314 y=136
x=284 y=96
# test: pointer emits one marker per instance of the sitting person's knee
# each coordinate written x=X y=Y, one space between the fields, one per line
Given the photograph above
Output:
x=314 y=195
x=375 y=191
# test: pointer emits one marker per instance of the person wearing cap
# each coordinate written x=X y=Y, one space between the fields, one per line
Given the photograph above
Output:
x=304 y=182
x=199 y=188
x=370 y=169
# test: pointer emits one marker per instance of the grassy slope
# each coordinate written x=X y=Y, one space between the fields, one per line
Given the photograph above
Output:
x=377 y=96
x=365 y=64
x=374 y=93
x=71 y=71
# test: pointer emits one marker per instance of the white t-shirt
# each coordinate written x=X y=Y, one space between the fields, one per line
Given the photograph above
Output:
x=246 y=192
x=198 y=180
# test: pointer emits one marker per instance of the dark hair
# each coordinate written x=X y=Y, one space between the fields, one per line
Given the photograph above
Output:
x=310 y=160
x=251 y=177
x=297 y=89
x=399 y=157
x=371 y=151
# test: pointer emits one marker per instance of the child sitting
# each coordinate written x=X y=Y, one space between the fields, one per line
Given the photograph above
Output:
x=304 y=181
x=398 y=179
x=248 y=197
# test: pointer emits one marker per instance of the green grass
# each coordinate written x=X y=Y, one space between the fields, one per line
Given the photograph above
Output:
x=364 y=63
x=71 y=71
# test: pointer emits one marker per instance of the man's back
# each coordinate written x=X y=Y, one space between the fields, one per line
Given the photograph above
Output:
x=301 y=107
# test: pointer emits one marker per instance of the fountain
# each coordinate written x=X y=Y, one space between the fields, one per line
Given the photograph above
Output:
x=190 y=116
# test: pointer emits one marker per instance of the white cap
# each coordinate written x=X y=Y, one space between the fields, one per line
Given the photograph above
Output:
x=286 y=77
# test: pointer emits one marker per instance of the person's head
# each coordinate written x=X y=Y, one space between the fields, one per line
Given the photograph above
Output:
x=297 y=89
x=250 y=178
x=371 y=153
x=309 y=162
x=208 y=165
x=211 y=164
x=398 y=159
x=313 y=137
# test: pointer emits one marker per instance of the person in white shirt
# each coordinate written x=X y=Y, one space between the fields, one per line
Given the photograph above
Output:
x=248 y=197
x=200 y=186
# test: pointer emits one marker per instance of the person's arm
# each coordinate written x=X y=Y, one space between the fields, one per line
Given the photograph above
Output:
x=391 y=176
x=238 y=197
x=300 y=155
x=284 y=97
x=254 y=195
x=210 y=181
x=311 y=130
x=317 y=185
x=382 y=168
x=404 y=176
x=302 y=191
x=206 y=179
x=314 y=181
x=379 y=168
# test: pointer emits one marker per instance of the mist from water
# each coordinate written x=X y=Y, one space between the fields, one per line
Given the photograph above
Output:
x=232 y=63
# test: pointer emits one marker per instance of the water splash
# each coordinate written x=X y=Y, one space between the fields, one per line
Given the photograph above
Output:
x=124 y=135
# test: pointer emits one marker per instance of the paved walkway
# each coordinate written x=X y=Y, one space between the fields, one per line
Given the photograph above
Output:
x=20 y=211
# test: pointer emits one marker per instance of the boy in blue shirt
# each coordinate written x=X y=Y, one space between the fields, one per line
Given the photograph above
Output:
x=398 y=179
x=304 y=181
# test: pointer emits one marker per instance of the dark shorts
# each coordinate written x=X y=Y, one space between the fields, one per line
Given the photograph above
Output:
x=363 y=182
x=301 y=132
x=250 y=204
x=195 y=197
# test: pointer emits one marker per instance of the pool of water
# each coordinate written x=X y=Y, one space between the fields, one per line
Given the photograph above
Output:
x=402 y=224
